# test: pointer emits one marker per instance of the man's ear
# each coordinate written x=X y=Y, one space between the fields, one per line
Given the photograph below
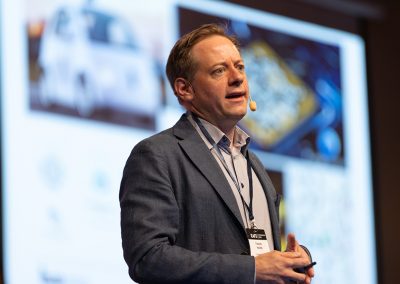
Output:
x=183 y=90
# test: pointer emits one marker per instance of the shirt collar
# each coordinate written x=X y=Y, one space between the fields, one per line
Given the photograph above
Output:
x=241 y=139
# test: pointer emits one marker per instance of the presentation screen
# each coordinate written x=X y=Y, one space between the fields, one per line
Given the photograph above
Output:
x=83 y=81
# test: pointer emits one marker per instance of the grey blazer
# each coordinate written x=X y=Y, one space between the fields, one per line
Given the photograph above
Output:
x=180 y=222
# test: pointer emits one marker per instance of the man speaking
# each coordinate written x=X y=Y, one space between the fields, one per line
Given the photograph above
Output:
x=196 y=205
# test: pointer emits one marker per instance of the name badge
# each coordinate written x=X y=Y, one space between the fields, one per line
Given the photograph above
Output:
x=258 y=241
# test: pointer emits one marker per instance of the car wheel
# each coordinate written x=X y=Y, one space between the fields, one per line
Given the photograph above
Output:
x=84 y=96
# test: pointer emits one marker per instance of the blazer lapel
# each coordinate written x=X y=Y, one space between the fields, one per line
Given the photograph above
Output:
x=200 y=155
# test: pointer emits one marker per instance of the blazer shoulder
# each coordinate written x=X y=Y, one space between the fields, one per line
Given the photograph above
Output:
x=166 y=140
x=157 y=141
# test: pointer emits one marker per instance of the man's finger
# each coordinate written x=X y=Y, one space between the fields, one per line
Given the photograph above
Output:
x=310 y=272
x=291 y=254
x=291 y=242
x=294 y=276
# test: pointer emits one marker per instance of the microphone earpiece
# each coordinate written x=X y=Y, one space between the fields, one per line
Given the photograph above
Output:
x=252 y=105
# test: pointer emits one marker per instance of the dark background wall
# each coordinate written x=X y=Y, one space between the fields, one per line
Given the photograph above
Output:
x=379 y=23
x=383 y=47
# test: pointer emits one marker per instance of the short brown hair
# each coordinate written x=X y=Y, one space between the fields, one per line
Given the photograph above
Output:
x=180 y=62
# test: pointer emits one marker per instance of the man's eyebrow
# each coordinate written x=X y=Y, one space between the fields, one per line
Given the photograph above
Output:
x=239 y=61
x=223 y=63
x=218 y=63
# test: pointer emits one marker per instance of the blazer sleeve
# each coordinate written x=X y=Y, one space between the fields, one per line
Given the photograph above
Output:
x=150 y=224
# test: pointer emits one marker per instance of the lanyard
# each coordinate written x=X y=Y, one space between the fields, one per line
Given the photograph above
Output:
x=233 y=177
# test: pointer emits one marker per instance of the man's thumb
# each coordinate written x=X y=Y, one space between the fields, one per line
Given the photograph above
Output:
x=291 y=242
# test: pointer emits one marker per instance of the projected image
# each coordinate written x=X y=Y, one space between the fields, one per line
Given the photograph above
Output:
x=296 y=84
x=84 y=82
x=88 y=62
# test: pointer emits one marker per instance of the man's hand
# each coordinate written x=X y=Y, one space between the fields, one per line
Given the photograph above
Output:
x=293 y=246
x=277 y=267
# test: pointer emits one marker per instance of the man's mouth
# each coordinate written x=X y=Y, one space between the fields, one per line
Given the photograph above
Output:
x=235 y=95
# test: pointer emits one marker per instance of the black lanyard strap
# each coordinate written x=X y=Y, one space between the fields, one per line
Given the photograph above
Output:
x=217 y=147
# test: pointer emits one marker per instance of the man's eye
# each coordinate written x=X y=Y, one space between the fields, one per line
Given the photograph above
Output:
x=218 y=71
x=240 y=67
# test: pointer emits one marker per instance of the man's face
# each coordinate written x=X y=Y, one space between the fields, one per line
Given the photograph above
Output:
x=219 y=83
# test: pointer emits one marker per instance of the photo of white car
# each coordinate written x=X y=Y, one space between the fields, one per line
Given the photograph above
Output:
x=89 y=59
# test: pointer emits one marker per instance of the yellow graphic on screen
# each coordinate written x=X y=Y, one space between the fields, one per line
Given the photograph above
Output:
x=284 y=101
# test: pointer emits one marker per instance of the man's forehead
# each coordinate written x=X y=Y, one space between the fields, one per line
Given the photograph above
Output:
x=215 y=48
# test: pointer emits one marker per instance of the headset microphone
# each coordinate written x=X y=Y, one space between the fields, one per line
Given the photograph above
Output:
x=252 y=104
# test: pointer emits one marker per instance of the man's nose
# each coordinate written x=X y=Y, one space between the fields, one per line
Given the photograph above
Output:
x=236 y=77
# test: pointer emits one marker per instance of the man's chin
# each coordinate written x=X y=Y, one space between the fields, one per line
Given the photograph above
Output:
x=237 y=116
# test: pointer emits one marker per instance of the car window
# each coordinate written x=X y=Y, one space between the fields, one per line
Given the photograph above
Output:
x=63 y=22
x=108 y=29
